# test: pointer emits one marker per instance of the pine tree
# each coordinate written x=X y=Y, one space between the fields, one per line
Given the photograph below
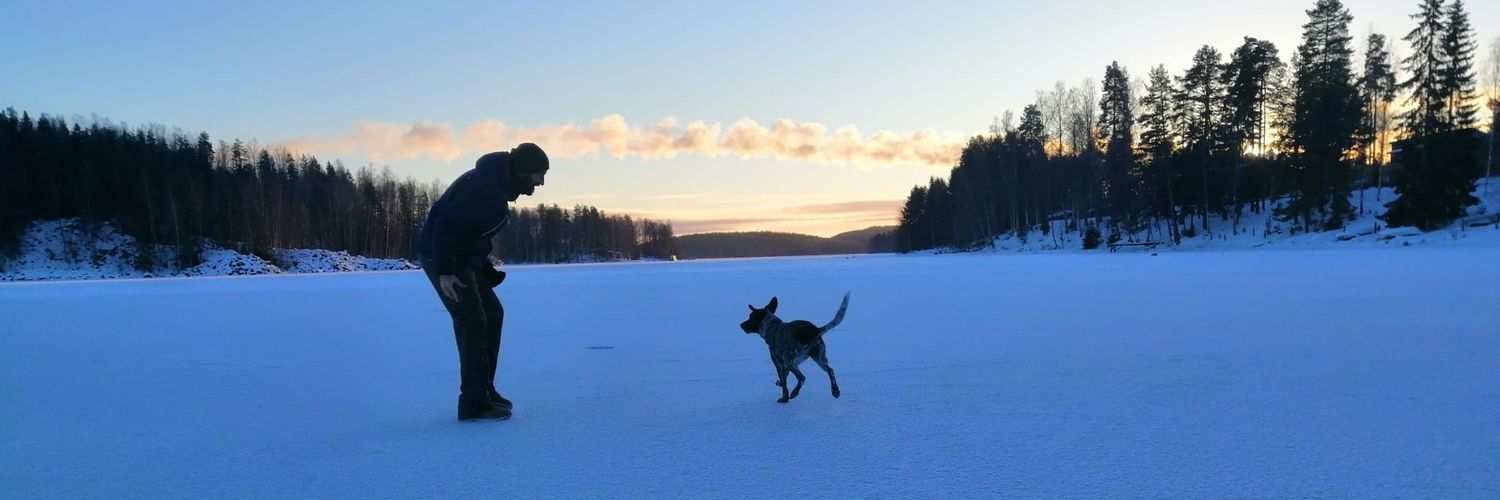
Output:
x=1117 y=126
x=1202 y=100
x=1023 y=155
x=1249 y=74
x=1031 y=128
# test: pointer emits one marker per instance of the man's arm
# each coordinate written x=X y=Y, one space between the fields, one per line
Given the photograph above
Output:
x=450 y=227
x=443 y=231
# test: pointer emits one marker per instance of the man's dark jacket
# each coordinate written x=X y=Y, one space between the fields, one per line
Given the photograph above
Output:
x=457 y=230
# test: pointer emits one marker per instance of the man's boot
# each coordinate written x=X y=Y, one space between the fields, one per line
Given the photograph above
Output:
x=468 y=413
x=498 y=401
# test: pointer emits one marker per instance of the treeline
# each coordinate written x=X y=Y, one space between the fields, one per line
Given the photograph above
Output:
x=166 y=188
x=1171 y=156
x=549 y=233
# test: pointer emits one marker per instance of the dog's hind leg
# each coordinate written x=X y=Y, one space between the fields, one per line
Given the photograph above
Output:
x=800 y=379
x=819 y=355
x=780 y=380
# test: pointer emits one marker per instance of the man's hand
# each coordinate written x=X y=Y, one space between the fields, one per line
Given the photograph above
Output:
x=493 y=276
x=450 y=284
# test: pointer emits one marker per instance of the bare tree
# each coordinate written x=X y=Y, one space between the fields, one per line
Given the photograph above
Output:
x=1054 y=108
x=1492 y=72
x=1083 y=106
x=1492 y=92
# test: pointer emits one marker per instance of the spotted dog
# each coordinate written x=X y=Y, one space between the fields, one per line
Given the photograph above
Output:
x=793 y=342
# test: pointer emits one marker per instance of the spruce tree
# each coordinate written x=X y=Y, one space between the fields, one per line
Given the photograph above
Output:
x=910 y=234
x=1439 y=158
x=1427 y=104
x=1158 y=144
x=1457 y=75
x=1325 y=118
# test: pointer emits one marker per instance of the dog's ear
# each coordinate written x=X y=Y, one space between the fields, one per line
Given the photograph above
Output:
x=772 y=306
x=752 y=308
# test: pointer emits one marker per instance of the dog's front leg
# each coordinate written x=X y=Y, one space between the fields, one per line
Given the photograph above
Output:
x=800 y=379
x=781 y=372
x=780 y=381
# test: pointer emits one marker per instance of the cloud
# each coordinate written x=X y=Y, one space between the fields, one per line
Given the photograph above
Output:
x=695 y=226
x=850 y=207
x=668 y=138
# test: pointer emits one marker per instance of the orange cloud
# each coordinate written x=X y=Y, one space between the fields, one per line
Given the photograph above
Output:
x=612 y=135
x=886 y=207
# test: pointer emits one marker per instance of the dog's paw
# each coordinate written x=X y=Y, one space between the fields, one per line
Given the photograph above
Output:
x=782 y=400
x=835 y=392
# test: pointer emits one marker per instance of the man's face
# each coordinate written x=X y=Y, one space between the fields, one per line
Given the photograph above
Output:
x=538 y=178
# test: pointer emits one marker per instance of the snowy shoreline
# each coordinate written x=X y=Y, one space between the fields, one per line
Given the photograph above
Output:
x=46 y=256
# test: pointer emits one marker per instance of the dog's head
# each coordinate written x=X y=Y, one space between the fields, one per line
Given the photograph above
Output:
x=758 y=316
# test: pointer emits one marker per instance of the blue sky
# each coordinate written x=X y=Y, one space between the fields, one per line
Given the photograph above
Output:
x=306 y=73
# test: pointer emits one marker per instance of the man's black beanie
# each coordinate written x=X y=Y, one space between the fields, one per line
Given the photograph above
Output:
x=527 y=158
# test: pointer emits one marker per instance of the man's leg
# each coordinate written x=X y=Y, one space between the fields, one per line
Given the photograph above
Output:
x=494 y=316
x=469 y=326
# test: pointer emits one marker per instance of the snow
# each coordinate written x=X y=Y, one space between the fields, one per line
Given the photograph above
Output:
x=1351 y=372
x=61 y=250
x=1263 y=231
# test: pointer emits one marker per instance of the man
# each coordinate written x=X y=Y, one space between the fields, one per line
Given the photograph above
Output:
x=453 y=249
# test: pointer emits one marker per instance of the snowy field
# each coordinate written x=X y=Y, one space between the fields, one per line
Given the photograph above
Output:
x=1295 y=373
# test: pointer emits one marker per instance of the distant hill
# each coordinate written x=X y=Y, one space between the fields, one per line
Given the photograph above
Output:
x=863 y=238
x=761 y=244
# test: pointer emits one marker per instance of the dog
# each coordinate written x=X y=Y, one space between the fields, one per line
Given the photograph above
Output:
x=793 y=342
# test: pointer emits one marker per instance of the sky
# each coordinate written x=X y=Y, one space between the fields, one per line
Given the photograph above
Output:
x=719 y=116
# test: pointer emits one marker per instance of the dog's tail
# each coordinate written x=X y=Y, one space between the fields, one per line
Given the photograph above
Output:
x=837 y=318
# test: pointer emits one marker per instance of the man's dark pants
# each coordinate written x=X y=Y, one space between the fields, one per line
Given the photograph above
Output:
x=477 y=319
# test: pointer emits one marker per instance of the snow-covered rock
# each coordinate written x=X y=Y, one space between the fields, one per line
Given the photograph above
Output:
x=71 y=249
x=328 y=261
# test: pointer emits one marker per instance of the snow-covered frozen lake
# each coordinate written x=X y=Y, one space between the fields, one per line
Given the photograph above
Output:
x=1350 y=373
